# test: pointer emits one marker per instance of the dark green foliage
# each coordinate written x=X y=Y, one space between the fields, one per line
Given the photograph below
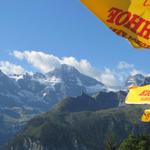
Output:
x=141 y=142
x=81 y=124
x=84 y=130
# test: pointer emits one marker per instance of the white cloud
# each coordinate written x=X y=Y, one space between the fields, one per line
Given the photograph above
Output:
x=125 y=65
x=112 y=78
x=46 y=62
x=115 y=79
x=9 y=68
x=127 y=69
x=42 y=61
x=83 y=66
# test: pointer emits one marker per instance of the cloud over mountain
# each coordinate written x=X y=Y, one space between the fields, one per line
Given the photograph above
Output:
x=128 y=68
x=47 y=62
x=9 y=68
x=42 y=61
x=125 y=65
x=111 y=77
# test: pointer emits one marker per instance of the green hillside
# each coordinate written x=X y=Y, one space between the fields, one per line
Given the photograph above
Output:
x=57 y=130
x=139 y=142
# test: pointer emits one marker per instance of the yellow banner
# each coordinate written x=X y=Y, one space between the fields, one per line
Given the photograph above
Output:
x=146 y=116
x=127 y=18
x=138 y=95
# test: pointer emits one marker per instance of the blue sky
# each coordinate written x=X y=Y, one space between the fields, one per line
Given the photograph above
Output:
x=63 y=28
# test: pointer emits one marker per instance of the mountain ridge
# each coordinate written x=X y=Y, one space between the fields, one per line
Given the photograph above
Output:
x=25 y=96
x=85 y=130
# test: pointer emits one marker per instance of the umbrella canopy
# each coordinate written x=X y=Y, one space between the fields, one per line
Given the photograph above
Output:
x=146 y=116
x=127 y=18
x=138 y=95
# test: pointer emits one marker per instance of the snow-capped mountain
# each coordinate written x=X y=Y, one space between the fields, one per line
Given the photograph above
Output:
x=44 y=90
x=137 y=80
x=24 y=96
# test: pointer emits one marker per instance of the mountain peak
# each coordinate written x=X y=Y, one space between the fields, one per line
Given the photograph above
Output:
x=135 y=80
x=139 y=76
x=63 y=69
x=66 y=68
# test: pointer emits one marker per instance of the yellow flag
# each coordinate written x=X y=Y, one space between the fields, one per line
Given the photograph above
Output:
x=146 y=116
x=127 y=18
x=138 y=95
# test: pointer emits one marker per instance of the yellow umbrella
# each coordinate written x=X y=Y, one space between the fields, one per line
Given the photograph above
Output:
x=138 y=95
x=127 y=18
x=146 y=116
